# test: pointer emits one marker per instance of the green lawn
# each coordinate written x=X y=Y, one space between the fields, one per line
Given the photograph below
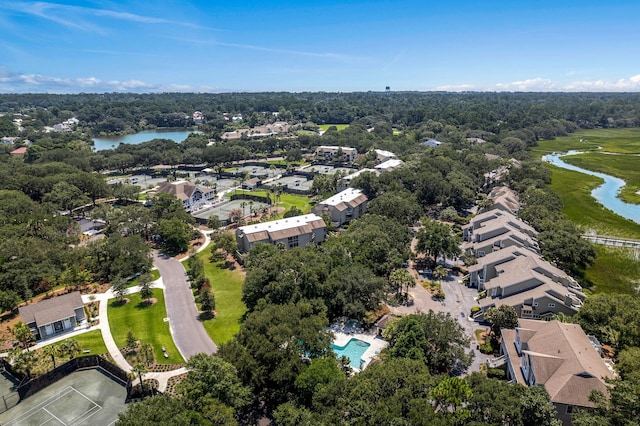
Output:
x=616 y=270
x=146 y=323
x=226 y=285
x=91 y=340
x=580 y=207
x=325 y=127
x=286 y=200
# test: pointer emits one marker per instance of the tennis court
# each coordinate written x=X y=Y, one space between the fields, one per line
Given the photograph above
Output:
x=88 y=397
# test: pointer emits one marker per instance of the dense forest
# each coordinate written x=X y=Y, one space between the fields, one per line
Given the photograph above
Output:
x=292 y=296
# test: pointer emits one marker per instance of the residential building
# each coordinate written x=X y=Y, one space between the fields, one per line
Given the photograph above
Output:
x=382 y=156
x=336 y=153
x=432 y=143
x=343 y=207
x=558 y=356
x=504 y=198
x=191 y=195
x=19 y=151
x=55 y=315
x=523 y=280
x=297 y=231
x=345 y=182
x=389 y=165
x=198 y=118
x=496 y=229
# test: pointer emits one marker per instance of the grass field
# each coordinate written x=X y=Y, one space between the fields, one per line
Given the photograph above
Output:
x=626 y=141
x=626 y=167
x=325 y=127
x=146 y=323
x=580 y=207
x=616 y=270
x=226 y=285
x=286 y=200
x=91 y=340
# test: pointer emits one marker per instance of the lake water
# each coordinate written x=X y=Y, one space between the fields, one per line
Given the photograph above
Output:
x=605 y=194
x=110 y=142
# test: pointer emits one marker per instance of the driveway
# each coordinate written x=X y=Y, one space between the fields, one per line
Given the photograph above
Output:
x=188 y=332
x=458 y=301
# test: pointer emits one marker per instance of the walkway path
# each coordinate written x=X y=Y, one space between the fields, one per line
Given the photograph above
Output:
x=188 y=332
x=612 y=241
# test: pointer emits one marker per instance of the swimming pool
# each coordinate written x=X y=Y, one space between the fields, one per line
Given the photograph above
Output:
x=354 y=349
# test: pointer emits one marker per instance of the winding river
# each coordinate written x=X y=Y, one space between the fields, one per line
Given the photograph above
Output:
x=605 y=194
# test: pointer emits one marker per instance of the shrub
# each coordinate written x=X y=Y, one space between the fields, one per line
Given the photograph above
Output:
x=475 y=310
x=496 y=373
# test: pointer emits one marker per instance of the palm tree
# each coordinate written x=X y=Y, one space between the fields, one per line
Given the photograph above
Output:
x=70 y=347
x=24 y=361
x=251 y=207
x=243 y=205
x=147 y=351
x=139 y=369
x=440 y=272
x=52 y=351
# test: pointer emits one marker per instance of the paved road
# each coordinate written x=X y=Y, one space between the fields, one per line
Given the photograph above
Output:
x=188 y=332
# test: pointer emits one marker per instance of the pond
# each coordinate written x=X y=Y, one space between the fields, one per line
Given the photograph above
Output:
x=177 y=135
x=607 y=193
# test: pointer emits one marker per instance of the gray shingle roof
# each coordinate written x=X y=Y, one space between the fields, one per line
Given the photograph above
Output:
x=51 y=310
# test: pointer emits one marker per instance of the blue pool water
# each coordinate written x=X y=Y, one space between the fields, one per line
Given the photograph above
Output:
x=354 y=349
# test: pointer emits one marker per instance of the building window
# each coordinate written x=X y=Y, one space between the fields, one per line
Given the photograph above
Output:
x=569 y=409
x=292 y=241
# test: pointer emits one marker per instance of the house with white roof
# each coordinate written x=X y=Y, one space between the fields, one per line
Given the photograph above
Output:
x=432 y=143
x=191 y=195
x=343 y=207
x=382 y=155
x=345 y=182
x=387 y=166
x=336 y=153
x=290 y=232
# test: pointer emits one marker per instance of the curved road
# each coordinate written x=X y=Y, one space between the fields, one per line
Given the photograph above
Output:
x=188 y=332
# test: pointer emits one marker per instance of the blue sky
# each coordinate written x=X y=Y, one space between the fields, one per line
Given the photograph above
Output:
x=215 y=46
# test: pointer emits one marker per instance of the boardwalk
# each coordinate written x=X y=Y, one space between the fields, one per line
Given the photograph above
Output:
x=612 y=241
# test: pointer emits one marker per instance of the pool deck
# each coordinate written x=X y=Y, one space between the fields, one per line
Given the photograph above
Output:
x=377 y=343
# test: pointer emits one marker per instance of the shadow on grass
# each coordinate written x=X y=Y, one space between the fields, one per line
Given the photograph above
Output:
x=145 y=304
x=119 y=302
x=227 y=265
x=204 y=316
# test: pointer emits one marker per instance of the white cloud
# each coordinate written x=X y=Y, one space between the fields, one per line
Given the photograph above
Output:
x=38 y=83
x=538 y=84
x=631 y=84
x=454 y=88
x=530 y=85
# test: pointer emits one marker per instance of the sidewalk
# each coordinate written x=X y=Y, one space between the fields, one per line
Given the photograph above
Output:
x=112 y=348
